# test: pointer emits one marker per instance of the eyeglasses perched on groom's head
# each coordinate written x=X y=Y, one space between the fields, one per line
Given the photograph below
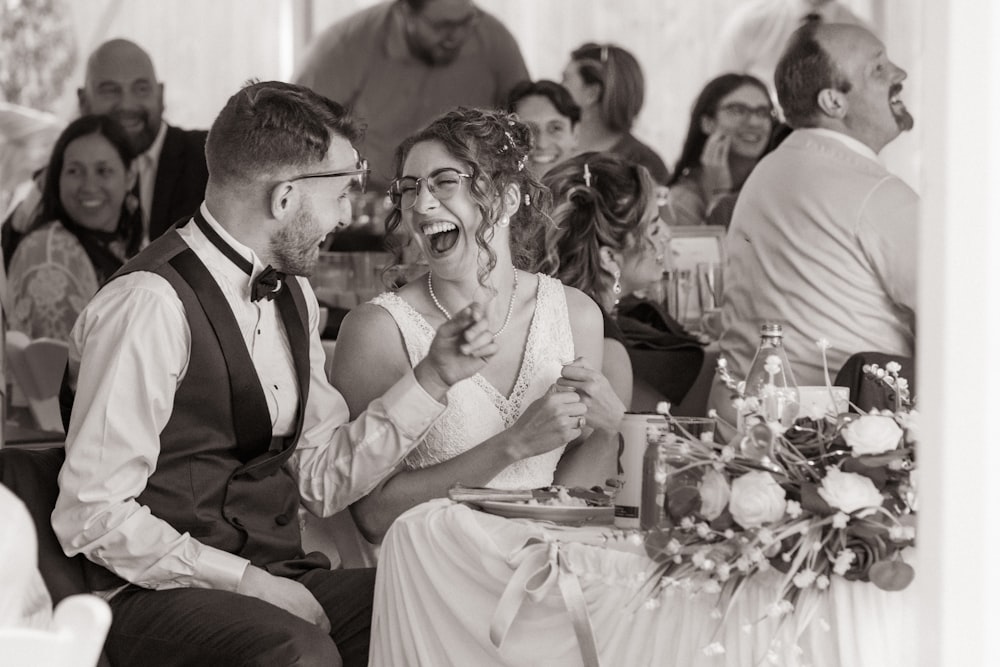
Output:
x=360 y=173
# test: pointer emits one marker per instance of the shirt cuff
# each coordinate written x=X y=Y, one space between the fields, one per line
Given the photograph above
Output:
x=410 y=407
x=221 y=570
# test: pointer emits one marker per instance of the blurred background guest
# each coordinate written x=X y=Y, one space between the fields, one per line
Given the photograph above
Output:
x=550 y=112
x=463 y=191
x=90 y=223
x=731 y=124
x=610 y=242
x=398 y=64
x=170 y=162
x=824 y=237
x=607 y=82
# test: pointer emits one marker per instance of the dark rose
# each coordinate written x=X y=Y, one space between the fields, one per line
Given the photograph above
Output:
x=868 y=549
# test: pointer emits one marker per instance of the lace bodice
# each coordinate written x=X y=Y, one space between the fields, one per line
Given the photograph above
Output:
x=50 y=281
x=476 y=410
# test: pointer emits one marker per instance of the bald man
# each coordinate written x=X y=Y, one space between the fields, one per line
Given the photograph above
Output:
x=121 y=81
x=824 y=237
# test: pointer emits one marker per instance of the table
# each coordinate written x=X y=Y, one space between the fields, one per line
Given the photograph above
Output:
x=445 y=567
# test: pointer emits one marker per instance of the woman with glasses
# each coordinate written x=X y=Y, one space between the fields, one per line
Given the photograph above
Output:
x=462 y=190
x=607 y=84
x=731 y=125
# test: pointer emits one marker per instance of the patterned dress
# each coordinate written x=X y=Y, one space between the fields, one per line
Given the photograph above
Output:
x=51 y=279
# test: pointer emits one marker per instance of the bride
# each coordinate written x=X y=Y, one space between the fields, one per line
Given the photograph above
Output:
x=464 y=195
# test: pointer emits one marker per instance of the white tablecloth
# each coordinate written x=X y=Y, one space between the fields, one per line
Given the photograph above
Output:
x=444 y=568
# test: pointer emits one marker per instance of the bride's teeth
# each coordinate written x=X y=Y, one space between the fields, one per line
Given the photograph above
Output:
x=437 y=228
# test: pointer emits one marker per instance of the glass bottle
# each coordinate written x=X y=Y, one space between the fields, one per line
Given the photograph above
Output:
x=770 y=389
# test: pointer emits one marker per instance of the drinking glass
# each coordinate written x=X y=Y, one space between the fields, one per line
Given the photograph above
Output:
x=694 y=427
x=709 y=285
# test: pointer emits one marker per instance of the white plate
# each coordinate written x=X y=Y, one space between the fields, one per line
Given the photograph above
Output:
x=569 y=514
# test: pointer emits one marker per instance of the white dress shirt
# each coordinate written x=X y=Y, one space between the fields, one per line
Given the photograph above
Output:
x=129 y=351
x=146 y=165
x=855 y=145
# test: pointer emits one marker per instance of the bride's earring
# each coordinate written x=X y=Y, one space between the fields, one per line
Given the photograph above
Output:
x=616 y=289
x=504 y=220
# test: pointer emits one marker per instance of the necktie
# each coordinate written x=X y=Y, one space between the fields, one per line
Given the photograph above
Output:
x=266 y=285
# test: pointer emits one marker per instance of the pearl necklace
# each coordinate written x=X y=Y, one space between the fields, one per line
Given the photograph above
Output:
x=444 y=311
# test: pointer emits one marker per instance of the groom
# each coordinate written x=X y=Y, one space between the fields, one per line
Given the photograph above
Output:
x=203 y=417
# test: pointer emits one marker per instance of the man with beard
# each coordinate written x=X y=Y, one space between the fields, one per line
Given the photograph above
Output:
x=399 y=64
x=121 y=82
x=203 y=419
x=824 y=238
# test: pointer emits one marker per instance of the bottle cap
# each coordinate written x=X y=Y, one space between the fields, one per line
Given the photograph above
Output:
x=771 y=329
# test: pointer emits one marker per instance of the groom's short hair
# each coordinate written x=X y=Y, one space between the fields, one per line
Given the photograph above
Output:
x=268 y=127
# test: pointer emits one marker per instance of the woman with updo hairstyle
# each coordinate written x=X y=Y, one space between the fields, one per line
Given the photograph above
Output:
x=610 y=242
x=606 y=81
x=536 y=414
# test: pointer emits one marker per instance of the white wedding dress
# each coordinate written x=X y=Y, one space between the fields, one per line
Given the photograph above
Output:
x=476 y=410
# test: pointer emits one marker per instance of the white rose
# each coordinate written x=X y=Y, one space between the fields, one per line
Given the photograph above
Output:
x=872 y=434
x=756 y=499
x=714 y=492
x=848 y=491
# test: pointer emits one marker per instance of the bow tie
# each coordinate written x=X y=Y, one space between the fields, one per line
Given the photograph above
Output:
x=267 y=284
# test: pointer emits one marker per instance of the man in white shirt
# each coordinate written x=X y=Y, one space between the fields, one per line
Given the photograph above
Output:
x=824 y=238
x=203 y=416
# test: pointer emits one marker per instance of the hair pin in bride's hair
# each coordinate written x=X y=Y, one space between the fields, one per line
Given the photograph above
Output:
x=586 y=174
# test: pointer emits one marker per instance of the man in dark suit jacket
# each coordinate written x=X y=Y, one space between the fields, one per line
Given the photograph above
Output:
x=121 y=82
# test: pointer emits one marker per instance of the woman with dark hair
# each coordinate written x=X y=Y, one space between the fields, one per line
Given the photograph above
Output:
x=607 y=82
x=463 y=192
x=552 y=116
x=731 y=125
x=89 y=225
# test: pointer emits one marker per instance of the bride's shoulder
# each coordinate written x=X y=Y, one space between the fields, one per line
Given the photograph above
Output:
x=580 y=305
x=367 y=323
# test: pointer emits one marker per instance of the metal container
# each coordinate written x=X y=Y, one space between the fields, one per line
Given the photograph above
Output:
x=632 y=442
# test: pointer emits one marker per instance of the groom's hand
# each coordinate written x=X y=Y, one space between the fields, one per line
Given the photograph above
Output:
x=462 y=347
x=287 y=594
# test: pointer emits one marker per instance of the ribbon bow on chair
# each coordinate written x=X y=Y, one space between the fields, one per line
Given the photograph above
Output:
x=537 y=566
x=267 y=284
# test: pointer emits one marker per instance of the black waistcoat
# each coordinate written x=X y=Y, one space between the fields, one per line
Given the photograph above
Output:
x=220 y=475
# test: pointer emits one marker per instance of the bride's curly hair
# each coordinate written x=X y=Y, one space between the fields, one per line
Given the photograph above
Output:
x=495 y=145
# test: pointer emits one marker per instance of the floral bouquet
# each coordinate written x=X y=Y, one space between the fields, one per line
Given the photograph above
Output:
x=825 y=497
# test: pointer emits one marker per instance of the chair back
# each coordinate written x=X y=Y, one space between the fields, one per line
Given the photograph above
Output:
x=79 y=626
x=37 y=367
x=867 y=392
x=32 y=474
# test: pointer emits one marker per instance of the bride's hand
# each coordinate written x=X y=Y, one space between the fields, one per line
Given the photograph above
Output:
x=604 y=409
x=551 y=421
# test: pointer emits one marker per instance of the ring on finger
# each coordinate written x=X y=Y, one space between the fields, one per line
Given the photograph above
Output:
x=581 y=421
